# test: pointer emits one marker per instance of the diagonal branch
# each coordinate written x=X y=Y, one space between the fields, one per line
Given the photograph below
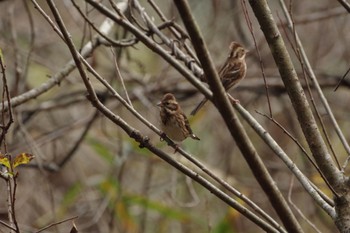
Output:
x=156 y=47
x=287 y=161
x=296 y=93
x=138 y=137
x=345 y=4
x=316 y=84
x=234 y=125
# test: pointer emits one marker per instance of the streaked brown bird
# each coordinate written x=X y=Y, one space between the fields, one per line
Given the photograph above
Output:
x=233 y=70
x=174 y=122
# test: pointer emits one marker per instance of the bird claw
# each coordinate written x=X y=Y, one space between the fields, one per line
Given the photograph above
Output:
x=176 y=148
x=162 y=136
x=234 y=101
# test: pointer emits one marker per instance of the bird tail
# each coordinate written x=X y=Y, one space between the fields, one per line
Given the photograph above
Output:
x=199 y=106
x=194 y=137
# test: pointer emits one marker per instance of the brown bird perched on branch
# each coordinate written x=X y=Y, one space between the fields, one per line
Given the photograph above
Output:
x=174 y=122
x=233 y=70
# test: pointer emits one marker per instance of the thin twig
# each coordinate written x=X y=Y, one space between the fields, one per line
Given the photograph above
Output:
x=251 y=29
x=13 y=200
x=120 y=77
x=7 y=225
x=296 y=207
x=57 y=78
x=176 y=30
x=188 y=61
x=298 y=53
x=287 y=161
x=296 y=93
x=301 y=148
x=5 y=95
x=133 y=133
x=181 y=151
x=341 y=80
x=48 y=19
x=115 y=43
x=56 y=223
x=14 y=45
x=317 y=16
x=32 y=38
x=238 y=133
x=9 y=204
x=304 y=60
x=296 y=50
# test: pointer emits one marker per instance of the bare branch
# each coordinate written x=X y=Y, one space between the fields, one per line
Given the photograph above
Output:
x=296 y=94
x=285 y=158
x=144 y=141
x=236 y=129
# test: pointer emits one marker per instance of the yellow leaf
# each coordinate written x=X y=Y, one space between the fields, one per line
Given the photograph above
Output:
x=1 y=55
x=5 y=161
x=22 y=158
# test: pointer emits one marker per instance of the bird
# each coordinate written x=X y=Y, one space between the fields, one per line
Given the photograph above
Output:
x=231 y=72
x=174 y=122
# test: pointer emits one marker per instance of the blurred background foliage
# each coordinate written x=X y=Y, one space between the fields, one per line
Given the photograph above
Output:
x=112 y=184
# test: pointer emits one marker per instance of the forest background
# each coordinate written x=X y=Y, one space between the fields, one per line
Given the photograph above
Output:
x=84 y=79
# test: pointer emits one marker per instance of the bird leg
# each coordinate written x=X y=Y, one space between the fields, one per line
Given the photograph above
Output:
x=164 y=137
x=233 y=100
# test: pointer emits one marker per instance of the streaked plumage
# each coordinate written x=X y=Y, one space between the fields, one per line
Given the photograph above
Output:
x=233 y=70
x=174 y=122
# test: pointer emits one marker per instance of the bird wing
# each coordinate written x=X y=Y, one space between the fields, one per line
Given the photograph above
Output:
x=230 y=74
x=188 y=128
x=184 y=124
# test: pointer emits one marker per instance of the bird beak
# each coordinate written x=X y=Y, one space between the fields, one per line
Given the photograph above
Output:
x=160 y=104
